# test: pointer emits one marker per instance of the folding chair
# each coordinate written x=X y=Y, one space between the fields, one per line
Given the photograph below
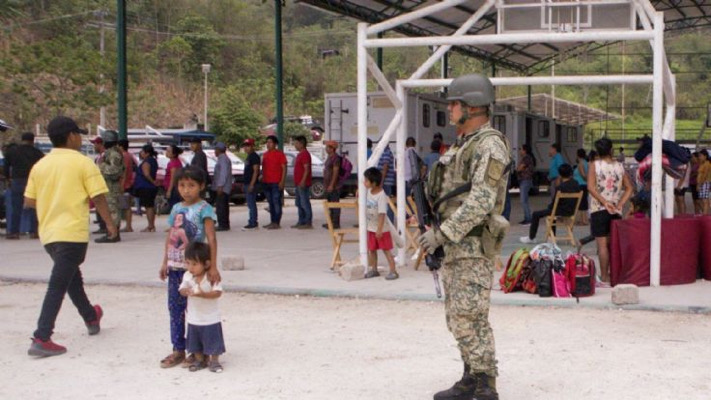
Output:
x=565 y=221
x=338 y=236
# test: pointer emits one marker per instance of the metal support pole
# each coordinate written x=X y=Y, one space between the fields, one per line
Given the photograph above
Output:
x=102 y=51
x=529 y=104
x=401 y=193
x=279 y=70
x=362 y=84
x=121 y=60
x=445 y=70
x=204 y=120
x=379 y=54
x=657 y=104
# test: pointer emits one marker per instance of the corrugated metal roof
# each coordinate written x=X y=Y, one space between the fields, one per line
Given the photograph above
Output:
x=526 y=58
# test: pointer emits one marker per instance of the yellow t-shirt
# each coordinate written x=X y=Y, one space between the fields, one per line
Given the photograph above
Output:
x=62 y=184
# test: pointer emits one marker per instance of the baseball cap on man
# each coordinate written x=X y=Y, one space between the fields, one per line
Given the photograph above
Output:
x=109 y=136
x=97 y=140
x=331 y=143
x=196 y=140
x=248 y=142
x=220 y=146
x=63 y=125
x=28 y=137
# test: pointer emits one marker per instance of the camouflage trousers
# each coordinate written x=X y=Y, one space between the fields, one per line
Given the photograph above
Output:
x=113 y=199
x=466 y=305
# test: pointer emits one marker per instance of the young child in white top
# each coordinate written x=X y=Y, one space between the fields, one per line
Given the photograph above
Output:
x=378 y=225
x=205 y=340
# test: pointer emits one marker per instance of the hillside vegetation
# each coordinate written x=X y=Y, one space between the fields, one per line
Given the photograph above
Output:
x=52 y=64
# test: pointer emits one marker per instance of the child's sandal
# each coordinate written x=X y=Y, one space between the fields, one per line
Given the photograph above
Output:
x=214 y=366
x=172 y=359
x=188 y=361
x=197 y=365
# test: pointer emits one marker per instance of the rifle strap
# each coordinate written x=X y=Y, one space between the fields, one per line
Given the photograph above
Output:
x=460 y=190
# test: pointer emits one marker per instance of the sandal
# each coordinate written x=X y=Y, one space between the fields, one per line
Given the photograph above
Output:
x=149 y=229
x=188 y=361
x=214 y=366
x=127 y=230
x=197 y=365
x=172 y=359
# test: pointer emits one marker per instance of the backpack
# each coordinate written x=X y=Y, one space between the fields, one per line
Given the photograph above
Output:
x=563 y=280
x=543 y=276
x=582 y=275
x=344 y=172
x=512 y=278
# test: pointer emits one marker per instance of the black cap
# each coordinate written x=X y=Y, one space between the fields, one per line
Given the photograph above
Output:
x=196 y=140
x=63 y=125
x=28 y=137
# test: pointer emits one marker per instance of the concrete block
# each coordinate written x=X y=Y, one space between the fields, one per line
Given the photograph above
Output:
x=352 y=270
x=625 y=294
x=232 y=263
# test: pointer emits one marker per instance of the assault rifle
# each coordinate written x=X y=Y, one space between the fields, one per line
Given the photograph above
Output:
x=425 y=217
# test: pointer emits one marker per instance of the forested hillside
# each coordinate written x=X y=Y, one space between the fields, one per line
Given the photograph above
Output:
x=52 y=63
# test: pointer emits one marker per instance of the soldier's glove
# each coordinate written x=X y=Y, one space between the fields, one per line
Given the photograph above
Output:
x=431 y=240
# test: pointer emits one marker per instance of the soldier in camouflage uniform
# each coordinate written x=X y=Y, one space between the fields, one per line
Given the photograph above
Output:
x=112 y=169
x=480 y=156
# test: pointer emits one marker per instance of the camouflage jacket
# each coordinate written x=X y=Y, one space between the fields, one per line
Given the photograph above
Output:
x=481 y=159
x=112 y=167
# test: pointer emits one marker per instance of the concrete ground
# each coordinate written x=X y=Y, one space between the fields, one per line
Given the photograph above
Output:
x=352 y=345
x=296 y=347
x=291 y=261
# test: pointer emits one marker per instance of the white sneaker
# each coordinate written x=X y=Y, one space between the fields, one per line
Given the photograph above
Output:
x=416 y=255
x=526 y=240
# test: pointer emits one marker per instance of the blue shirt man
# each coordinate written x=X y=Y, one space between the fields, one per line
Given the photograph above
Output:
x=556 y=162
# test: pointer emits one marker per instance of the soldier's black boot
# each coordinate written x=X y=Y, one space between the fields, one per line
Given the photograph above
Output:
x=485 y=387
x=462 y=390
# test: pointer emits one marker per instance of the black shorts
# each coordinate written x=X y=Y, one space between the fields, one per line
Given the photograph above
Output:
x=680 y=192
x=147 y=197
x=600 y=223
x=584 y=201
x=694 y=192
x=206 y=339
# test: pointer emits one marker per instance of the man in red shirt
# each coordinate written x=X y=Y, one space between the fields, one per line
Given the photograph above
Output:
x=302 y=180
x=273 y=178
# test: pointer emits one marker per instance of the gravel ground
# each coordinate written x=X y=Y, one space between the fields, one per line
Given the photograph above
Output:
x=323 y=348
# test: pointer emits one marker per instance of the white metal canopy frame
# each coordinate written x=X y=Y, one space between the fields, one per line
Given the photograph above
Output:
x=576 y=26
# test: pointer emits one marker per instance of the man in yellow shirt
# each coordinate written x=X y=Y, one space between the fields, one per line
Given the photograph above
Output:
x=59 y=187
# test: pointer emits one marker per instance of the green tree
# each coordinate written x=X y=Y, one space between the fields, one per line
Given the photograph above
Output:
x=294 y=129
x=232 y=118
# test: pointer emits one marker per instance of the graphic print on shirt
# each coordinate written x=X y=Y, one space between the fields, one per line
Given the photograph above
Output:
x=182 y=232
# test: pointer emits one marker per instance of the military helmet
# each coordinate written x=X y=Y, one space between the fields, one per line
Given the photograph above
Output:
x=109 y=136
x=475 y=90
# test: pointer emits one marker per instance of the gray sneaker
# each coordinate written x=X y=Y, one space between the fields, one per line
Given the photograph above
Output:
x=305 y=226
x=273 y=227
x=372 y=274
x=392 y=276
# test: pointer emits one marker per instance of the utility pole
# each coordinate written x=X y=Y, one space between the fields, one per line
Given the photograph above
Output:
x=279 y=89
x=102 y=88
x=121 y=59
x=205 y=70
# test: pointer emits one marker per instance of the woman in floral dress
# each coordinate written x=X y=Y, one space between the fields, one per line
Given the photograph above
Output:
x=610 y=188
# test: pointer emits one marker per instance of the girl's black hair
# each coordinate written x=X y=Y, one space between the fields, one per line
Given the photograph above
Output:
x=198 y=251
x=176 y=150
x=527 y=148
x=373 y=175
x=603 y=147
x=581 y=154
x=436 y=146
x=192 y=173
x=148 y=148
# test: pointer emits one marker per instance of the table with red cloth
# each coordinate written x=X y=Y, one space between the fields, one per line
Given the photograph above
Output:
x=686 y=248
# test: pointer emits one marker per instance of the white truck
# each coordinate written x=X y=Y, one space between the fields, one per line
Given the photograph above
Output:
x=427 y=115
